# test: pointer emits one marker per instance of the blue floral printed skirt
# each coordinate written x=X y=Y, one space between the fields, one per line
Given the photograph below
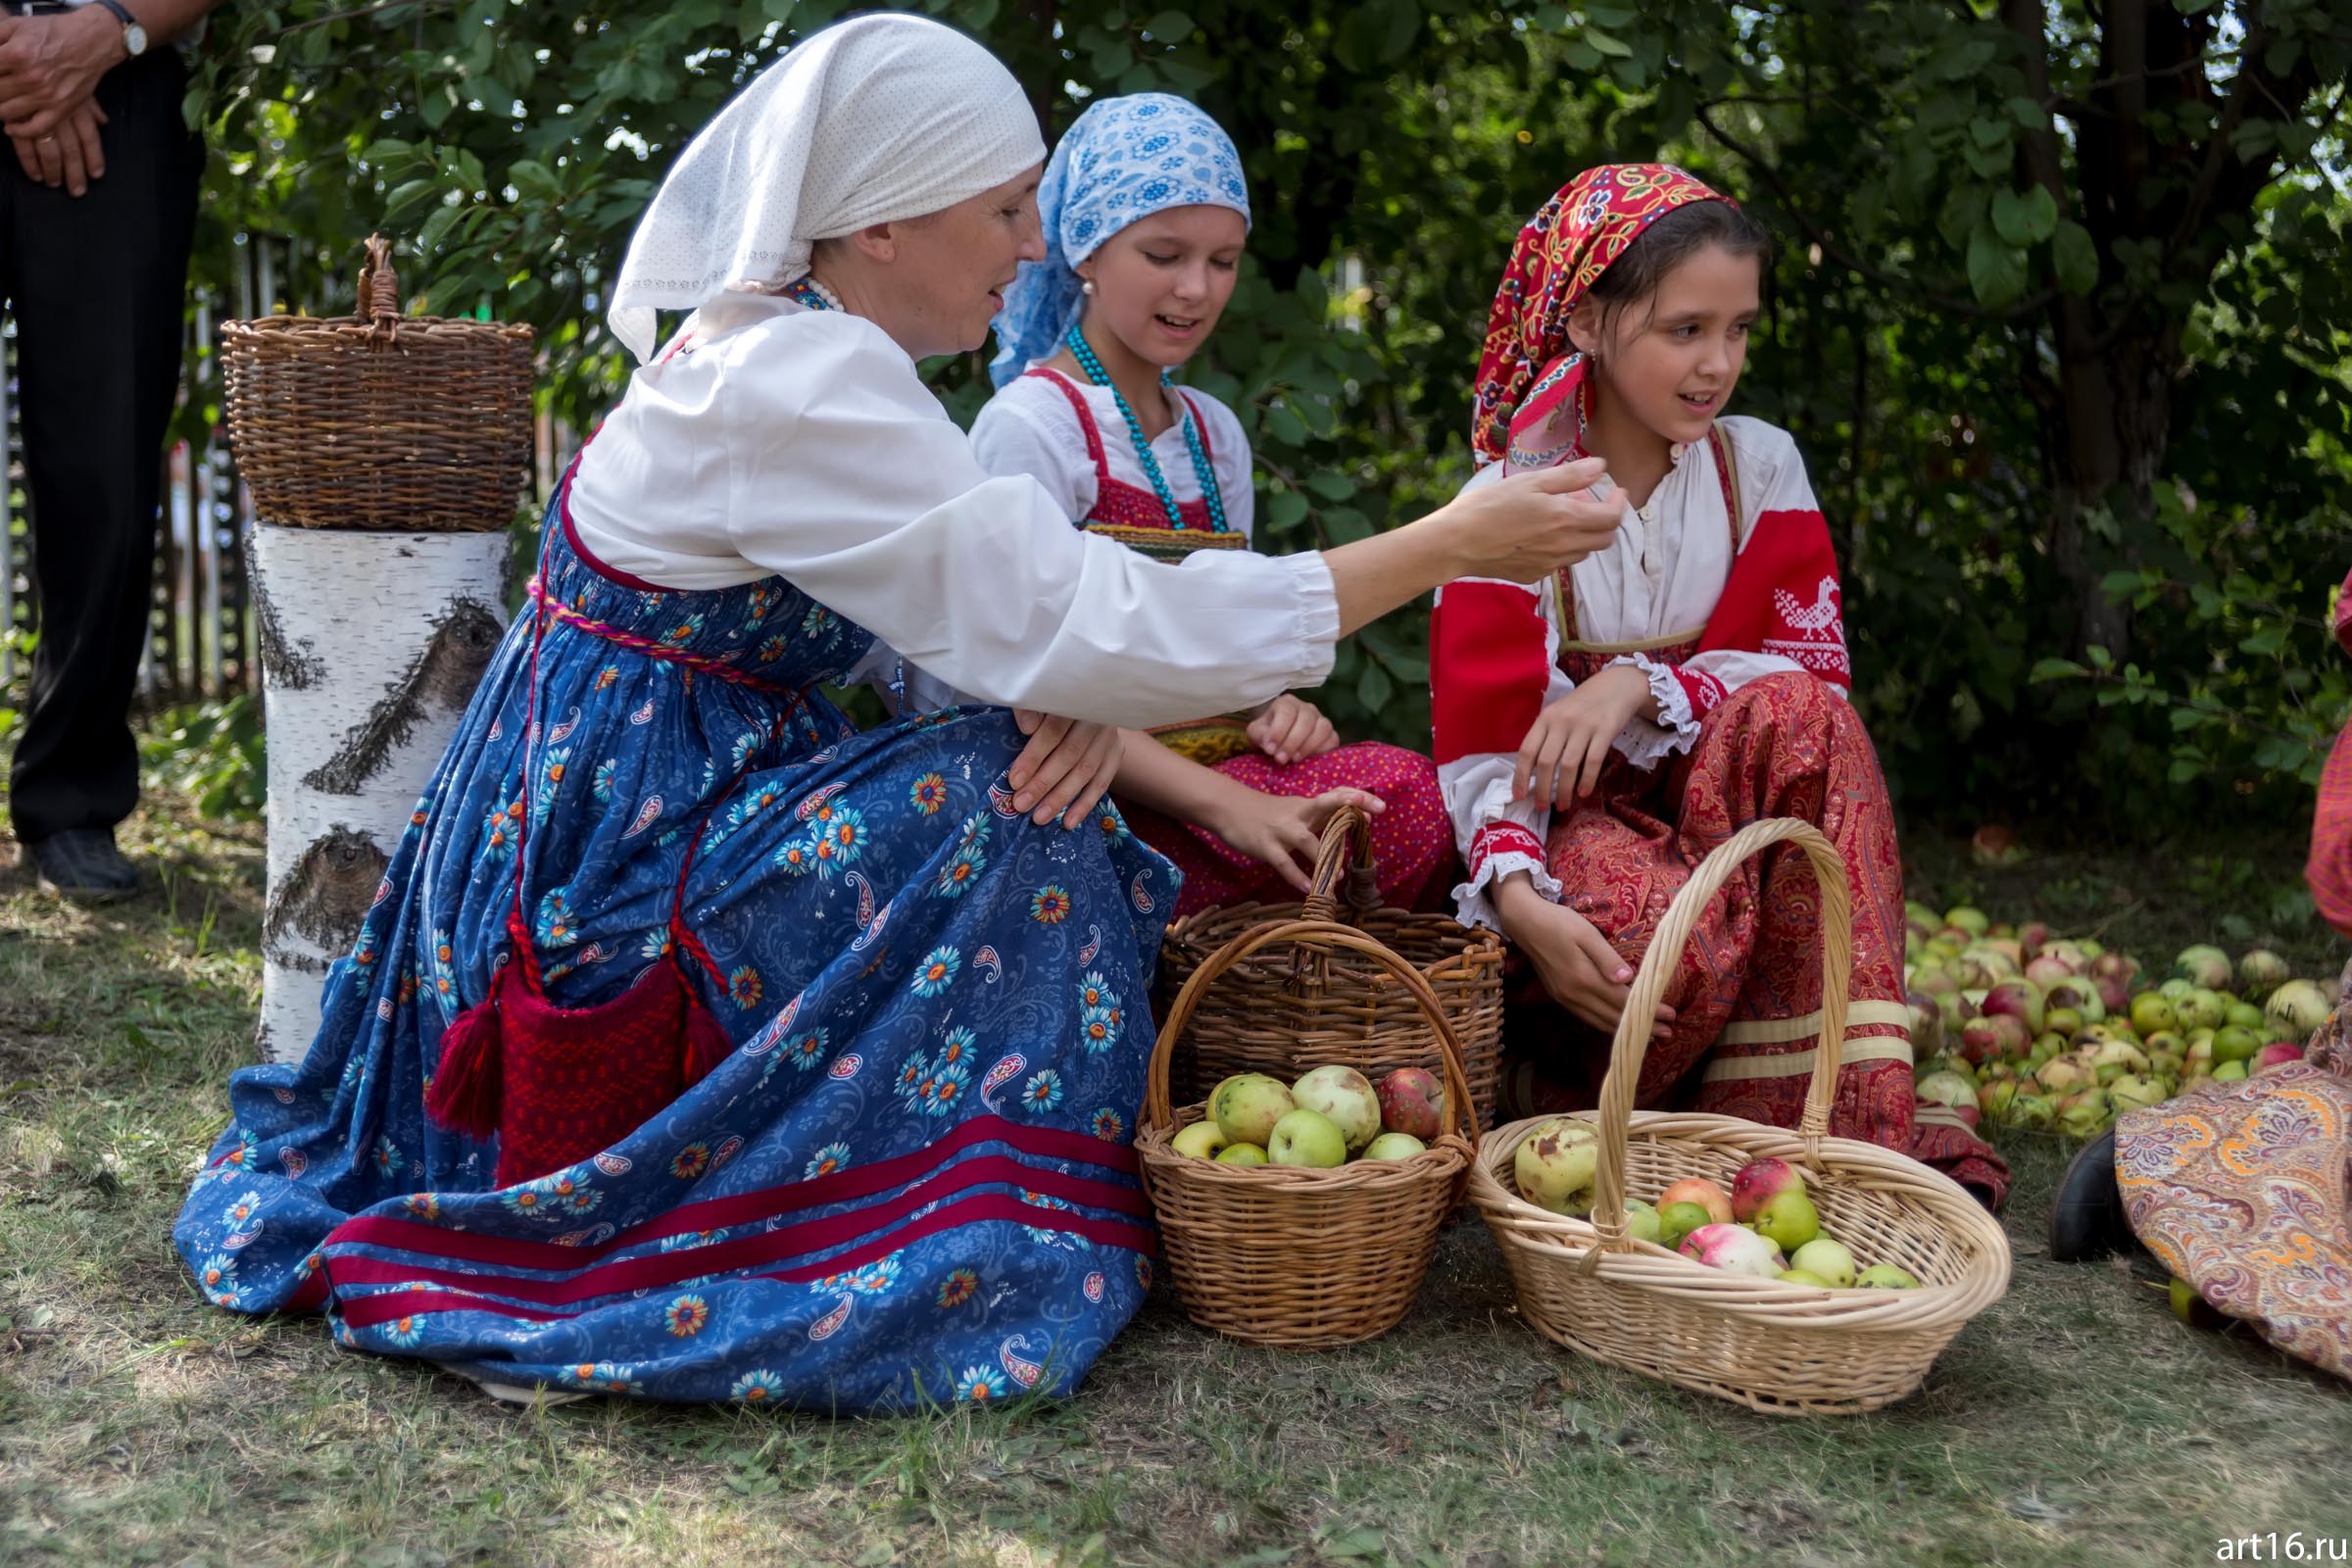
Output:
x=909 y=1183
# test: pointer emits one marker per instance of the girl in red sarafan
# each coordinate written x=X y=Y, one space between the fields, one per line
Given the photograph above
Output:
x=1146 y=220
x=1599 y=732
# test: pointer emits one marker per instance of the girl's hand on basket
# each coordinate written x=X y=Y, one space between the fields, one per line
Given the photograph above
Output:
x=1065 y=769
x=1287 y=834
x=1290 y=730
x=1561 y=759
x=1576 y=964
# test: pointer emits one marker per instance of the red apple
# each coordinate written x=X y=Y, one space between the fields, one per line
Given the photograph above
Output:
x=1412 y=1101
x=1994 y=1037
x=1702 y=1192
x=2277 y=1054
x=2021 y=999
x=2048 y=970
x=1758 y=1182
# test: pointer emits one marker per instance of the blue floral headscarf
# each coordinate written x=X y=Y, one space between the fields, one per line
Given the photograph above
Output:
x=1122 y=160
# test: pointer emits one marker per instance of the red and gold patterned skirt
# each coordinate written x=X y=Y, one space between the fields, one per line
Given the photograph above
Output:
x=1746 y=990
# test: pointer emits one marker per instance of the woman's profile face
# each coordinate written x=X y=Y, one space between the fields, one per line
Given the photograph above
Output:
x=953 y=268
x=1161 y=282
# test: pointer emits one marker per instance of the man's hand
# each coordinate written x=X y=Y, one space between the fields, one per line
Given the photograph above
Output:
x=1290 y=730
x=1065 y=769
x=71 y=157
x=49 y=66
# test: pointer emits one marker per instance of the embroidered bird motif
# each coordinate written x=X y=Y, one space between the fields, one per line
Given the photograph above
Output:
x=1817 y=621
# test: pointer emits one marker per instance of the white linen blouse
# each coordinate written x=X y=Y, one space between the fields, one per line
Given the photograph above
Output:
x=1659 y=578
x=1029 y=427
x=769 y=439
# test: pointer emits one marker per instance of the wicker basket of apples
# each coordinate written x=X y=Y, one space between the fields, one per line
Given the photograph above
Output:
x=1283 y=1012
x=1722 y=1313
x=1262 y=1177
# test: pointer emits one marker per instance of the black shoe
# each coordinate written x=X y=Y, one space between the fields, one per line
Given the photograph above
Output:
x=2088 y=1220
x=82 y=863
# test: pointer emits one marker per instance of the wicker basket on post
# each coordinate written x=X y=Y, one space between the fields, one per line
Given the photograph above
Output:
x=1288 y=1257
x=378 y=419
x=1321 y=1003
x=1766 y=1344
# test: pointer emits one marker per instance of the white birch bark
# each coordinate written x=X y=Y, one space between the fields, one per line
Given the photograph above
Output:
x=371 y=646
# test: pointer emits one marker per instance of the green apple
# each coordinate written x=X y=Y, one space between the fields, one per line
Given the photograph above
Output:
x=1200 y=1141
x=1241 y=1154
x=1798 y=1276
x=1678 y=1220
x=1246 y=1105
x=1642 y=1221
x=1886 y=1277
x=1308 y=1138
x=2152 y=1014
x=2229 y=1072
x=1556 y=1164
x=2202 y=1010
x=1828 y=1261
x=1393 y=1145
x=2234 y=1044
x=1788 y=1219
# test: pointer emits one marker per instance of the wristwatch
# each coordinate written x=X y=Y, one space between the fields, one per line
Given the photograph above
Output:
x=134 y=36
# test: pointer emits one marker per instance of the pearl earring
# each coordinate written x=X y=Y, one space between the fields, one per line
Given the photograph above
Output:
x=1086 y=286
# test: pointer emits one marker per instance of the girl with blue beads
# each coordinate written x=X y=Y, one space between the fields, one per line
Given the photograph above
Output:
x=1146 y=217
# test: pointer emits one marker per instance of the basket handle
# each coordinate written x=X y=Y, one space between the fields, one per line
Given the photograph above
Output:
x=1347 y=846
x=380 y=288
x=1159 y=1112
x=1632 y=1044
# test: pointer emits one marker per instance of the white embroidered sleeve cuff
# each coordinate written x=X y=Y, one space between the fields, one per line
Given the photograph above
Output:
x=1501 y=850
x=1645 y=744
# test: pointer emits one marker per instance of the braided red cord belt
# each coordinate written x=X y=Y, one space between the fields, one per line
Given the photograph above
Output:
x=556 y=611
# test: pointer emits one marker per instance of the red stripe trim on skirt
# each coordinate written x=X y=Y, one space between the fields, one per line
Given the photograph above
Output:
x=385 y=1306
x=742 y=1208
x=722 y=1258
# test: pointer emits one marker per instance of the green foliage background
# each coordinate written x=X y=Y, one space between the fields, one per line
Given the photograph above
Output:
x=2060 y=314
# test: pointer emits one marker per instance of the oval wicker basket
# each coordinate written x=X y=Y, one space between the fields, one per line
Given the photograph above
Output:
x=1289 y=1257
x=378 y=419
x=1319 y=1003
x=1765 y=1343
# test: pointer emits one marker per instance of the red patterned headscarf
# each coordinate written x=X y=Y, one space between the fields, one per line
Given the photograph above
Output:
x=1527 y=367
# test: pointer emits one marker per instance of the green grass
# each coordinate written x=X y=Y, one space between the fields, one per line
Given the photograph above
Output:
x=2075 y=1422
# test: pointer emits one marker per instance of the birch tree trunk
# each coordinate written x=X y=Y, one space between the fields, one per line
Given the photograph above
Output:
x=371 y=646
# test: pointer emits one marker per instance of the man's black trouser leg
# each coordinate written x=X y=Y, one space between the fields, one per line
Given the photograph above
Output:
x=96 y=285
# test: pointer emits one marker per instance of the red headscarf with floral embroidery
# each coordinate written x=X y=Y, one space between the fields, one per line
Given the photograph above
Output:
x=1529 y=367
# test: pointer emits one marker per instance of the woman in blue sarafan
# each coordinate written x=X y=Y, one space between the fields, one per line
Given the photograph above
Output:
x=698 y=1046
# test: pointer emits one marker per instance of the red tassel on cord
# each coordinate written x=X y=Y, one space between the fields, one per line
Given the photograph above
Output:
x=465 y=1092
x=706 y=1041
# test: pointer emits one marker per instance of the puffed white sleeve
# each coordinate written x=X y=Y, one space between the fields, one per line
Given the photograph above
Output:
x=1493 y=667
x=845 y=476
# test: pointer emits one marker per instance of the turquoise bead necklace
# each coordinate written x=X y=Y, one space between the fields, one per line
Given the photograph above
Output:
x=1083 y=352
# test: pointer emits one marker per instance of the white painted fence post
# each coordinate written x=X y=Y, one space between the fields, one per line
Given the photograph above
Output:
x=372 y=644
